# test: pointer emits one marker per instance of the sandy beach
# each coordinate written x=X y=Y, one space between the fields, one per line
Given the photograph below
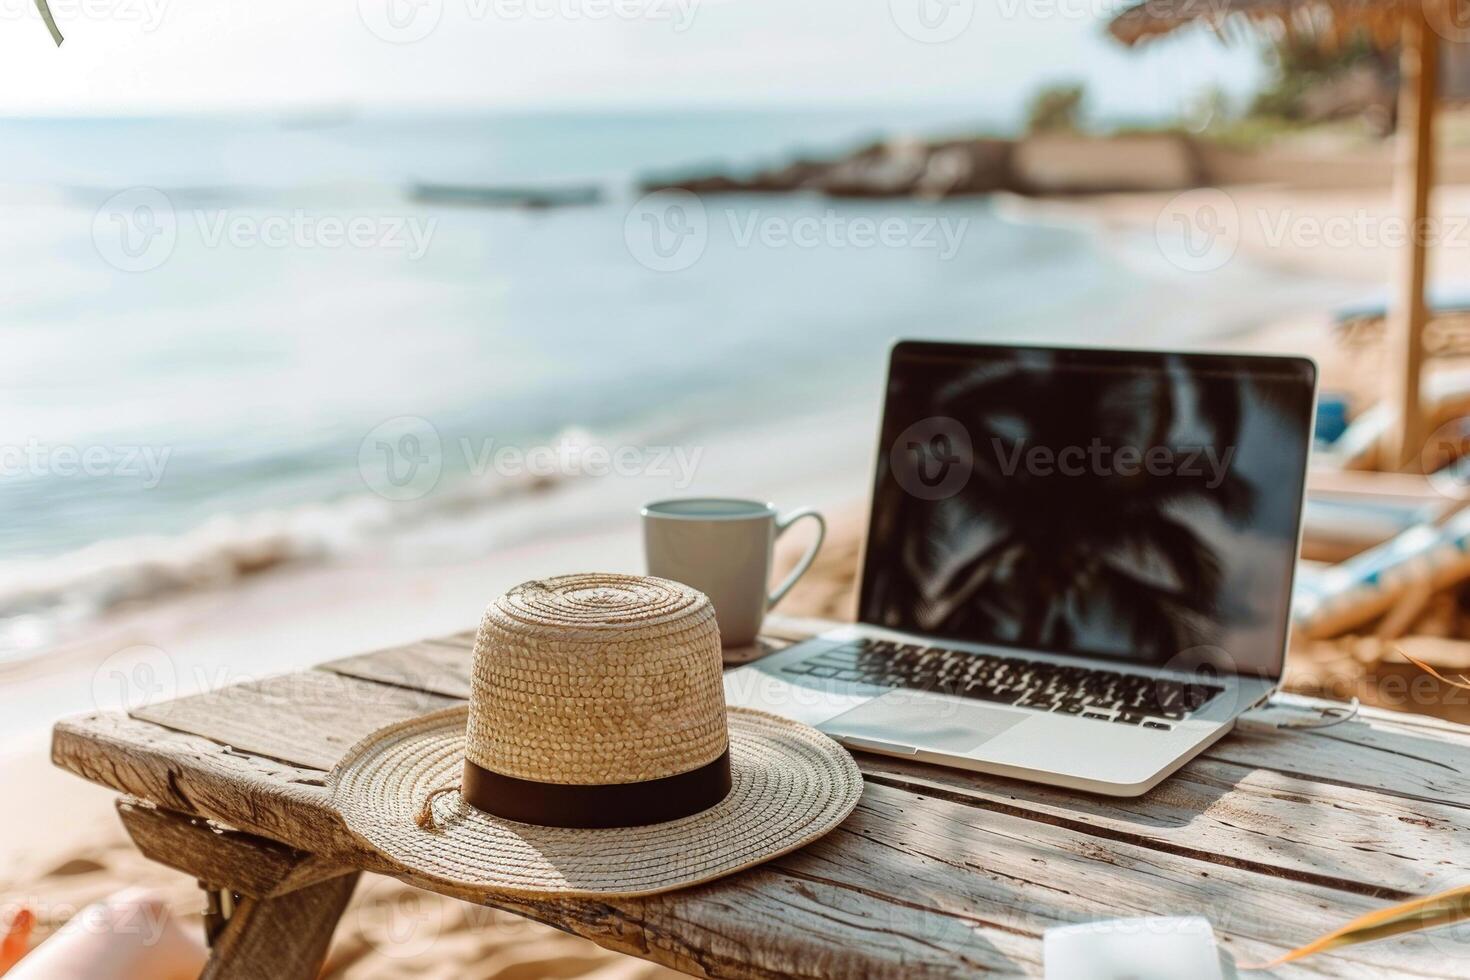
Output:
x=65 y=847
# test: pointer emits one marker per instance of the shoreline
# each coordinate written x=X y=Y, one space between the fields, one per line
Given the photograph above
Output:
x=55 y=603
x=499 y=518
x=437 y=581
x=1334 y=232
x=478 y=532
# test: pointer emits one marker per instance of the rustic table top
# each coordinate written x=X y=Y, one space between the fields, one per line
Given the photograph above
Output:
x=1275 y=837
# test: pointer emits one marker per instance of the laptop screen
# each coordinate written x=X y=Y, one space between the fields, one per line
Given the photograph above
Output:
x=1130 y=506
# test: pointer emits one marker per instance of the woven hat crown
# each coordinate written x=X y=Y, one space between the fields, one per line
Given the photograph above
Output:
x=597 y=678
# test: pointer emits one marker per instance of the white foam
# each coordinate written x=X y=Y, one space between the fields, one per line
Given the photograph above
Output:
x=41 y=600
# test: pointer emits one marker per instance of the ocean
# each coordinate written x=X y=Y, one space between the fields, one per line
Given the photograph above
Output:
x=216 y=326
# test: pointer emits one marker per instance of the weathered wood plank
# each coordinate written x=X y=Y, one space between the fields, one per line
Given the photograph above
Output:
x=442 y=665
x=256 y=867
x=729 y=929
x=939 y=878
x=770 y=922
x=192 y=774
x=1025 y=877
x=281 y=938
x=1408 y=761
x=431 y=665
x=1223 y=812
x=1344 y=837
x=1416 y=758
x=1409 y=719
x=308 y=718
x=939 y=873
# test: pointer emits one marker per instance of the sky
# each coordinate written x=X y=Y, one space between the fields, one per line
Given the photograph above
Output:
x=162 y=56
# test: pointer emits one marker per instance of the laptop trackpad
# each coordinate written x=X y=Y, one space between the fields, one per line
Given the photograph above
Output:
x=924 y=722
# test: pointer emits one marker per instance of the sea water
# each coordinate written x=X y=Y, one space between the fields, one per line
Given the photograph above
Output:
x=208 y=405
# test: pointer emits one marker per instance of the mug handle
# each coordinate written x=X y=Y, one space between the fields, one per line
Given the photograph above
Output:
x=782 y=524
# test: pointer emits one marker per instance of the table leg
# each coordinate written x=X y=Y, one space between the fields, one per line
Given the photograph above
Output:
x=269 y=909
x=215 y=915
x=282 y=938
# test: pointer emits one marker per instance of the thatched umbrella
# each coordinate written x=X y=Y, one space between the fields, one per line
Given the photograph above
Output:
x=1411 y=24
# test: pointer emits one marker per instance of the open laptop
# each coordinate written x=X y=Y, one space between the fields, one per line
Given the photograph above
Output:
x=1078 y=567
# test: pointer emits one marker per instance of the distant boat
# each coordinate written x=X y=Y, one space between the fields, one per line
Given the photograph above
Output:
x=471 y=195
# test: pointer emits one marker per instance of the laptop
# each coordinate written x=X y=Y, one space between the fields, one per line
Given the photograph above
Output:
x=1078 y=566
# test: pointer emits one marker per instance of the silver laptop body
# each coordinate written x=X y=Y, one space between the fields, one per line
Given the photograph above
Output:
x=1087 y=619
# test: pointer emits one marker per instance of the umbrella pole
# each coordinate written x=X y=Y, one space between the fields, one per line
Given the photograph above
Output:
x=1413 y=176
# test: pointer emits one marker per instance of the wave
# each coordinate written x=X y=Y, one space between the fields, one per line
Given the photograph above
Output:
x=43 y=601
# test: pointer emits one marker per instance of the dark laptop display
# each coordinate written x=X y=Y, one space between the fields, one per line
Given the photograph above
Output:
x=1125 y=505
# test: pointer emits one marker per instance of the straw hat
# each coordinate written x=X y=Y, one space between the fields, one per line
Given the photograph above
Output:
x=596 y=755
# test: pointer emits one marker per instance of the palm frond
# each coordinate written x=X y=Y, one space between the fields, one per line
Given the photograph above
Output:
x=1445 y=908
x=45 y=9
x=1462 y=681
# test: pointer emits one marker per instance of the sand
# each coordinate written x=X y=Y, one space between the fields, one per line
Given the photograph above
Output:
x=63 y=847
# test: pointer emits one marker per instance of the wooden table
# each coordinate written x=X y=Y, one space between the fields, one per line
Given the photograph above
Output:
x=1275 y=837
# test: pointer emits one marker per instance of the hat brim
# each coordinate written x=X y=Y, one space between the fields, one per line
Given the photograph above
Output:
x=790 y=784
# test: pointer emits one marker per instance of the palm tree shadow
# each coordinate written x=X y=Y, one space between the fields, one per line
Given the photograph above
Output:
x=1080 y=516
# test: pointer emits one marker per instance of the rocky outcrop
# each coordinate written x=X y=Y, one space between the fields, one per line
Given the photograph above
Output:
x=918 y=169
x=896 y=168
x=1054 y=163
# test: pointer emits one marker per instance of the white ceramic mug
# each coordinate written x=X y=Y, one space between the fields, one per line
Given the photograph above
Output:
x=723 y=548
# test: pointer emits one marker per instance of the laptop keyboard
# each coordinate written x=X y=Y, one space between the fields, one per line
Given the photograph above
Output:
x=1087 y=692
